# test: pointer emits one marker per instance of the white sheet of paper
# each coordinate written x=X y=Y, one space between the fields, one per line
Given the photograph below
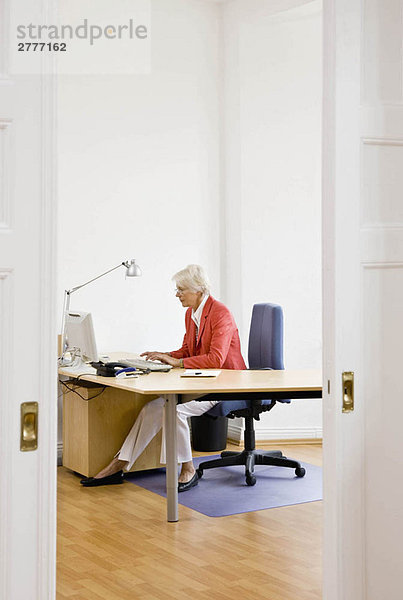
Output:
x=201 y=373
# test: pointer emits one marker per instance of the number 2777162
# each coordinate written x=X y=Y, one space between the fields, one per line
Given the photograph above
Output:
x=42 y=46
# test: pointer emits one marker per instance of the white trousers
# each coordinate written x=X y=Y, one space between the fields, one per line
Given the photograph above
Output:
x=150 y=420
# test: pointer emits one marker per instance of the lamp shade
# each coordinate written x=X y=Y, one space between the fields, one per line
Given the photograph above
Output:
x=132 y=270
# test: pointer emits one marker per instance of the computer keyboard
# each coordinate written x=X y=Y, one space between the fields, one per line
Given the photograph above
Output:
x=139 y=363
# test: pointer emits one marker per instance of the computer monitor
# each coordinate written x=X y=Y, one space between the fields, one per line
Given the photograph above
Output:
x=80 y=335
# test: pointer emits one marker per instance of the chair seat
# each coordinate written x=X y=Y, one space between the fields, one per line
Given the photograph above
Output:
x=222 y=409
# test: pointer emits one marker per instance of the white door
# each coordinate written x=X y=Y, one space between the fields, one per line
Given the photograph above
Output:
x=27 y=327
x=363 y=293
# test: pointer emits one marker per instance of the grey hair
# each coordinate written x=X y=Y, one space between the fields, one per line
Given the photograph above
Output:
x=192 y=278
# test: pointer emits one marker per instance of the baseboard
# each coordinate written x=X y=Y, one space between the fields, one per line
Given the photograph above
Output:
x=267 y=435
x=290 y=442
x=264 y=436
x=235 y=433
x=59 y=453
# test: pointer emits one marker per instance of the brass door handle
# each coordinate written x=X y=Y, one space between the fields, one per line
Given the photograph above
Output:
x=29 y=426
x=348 y=391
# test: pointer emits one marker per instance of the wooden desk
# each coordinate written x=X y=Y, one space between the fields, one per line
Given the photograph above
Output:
x=252 y=384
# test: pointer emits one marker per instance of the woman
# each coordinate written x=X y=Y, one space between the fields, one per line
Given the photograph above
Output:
x=211 y=341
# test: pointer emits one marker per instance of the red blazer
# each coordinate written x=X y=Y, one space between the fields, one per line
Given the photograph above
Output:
x=218 y=345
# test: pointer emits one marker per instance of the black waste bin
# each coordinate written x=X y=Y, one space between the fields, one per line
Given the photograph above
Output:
x=209 y=434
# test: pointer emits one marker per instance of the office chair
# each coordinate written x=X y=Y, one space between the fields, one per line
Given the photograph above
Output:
x=265 y=351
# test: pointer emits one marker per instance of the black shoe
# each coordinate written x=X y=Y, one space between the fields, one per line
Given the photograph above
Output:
x=114 y=479
x=183 y=487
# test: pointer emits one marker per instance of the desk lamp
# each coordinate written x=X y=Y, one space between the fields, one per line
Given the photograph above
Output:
x=132 y=270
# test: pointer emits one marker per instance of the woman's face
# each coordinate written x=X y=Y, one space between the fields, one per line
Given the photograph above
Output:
x=188 y=298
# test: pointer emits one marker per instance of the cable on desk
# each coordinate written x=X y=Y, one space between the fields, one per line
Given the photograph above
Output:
x=84 y=375
x=71 y=389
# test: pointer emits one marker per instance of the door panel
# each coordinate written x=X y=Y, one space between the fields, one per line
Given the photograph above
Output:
x=381 y=52
x=27 y=324
x=383 y=351
x=382 y=182
x=382 y=293
x=363 y=297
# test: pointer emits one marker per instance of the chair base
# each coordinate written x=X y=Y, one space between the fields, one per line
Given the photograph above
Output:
x=250 y=458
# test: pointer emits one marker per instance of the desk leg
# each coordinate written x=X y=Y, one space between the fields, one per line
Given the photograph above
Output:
x=171 y=457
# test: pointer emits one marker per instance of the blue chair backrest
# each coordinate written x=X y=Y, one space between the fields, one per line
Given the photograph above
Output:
x=266 y=337
x=265 y=351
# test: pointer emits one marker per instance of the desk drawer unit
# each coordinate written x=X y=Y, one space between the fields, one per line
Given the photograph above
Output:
x=95 y=426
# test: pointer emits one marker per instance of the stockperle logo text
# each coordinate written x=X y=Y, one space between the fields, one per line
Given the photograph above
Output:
x=84 y=31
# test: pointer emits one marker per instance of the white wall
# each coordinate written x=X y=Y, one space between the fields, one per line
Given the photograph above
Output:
x=272 y=108
x=139 y=178
x=194 y=163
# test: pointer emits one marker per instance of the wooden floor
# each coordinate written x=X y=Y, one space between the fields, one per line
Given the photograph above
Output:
x=114 y=544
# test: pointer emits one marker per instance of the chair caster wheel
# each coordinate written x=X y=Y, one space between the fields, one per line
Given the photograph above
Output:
x=300 y=471
x=250 y=480
x=199 y=473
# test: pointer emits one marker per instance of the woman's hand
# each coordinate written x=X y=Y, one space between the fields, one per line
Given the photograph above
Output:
x=163 y=357
x=170 y=360
x=154 y=355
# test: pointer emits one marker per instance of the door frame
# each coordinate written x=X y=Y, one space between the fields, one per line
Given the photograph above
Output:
x=343 y=488
x=47 y=485
x=47 y=345
x=330 y=568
